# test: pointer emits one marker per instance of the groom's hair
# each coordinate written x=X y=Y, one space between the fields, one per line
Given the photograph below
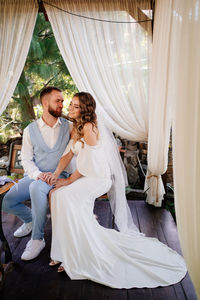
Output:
x=48 y=90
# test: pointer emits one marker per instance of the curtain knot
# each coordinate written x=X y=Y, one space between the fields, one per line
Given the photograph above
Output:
x=148 y=177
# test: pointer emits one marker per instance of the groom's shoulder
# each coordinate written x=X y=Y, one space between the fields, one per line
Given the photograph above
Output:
x=64 y=121
x=31 y=124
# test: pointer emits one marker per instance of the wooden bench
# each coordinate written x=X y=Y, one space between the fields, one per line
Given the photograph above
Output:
x=13 y=167
x=4 y=244
x=14 y=160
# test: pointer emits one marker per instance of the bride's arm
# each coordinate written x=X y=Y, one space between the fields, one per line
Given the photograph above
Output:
x=65 y=181
x=63 y=163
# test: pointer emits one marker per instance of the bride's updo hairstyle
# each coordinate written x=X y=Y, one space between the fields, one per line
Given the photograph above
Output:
x=87 y=112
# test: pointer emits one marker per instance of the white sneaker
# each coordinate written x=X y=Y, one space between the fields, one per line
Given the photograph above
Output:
x=33 y=249
x=23 y=230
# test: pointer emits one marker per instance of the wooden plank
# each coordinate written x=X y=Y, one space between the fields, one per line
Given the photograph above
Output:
x=145 y=216
x=140 y=294
x=8 y=229
x=169 y=229
x=46 y=283
x=6 y=187
x=10 y=224
x=36 y=279
x=103 y=211
x=188 y=288
x=172 y=240
x=151 y=227
x=97 y=291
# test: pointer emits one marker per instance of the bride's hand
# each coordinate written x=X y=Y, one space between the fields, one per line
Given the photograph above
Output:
x=50 y=178
x=62 y=182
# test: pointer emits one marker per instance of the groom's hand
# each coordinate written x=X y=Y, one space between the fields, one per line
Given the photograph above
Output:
x=48 y=177
x=43 y=175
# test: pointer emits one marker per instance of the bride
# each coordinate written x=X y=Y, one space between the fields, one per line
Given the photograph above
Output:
x=86 y=250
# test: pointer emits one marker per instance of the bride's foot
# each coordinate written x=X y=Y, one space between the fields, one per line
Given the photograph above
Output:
x=53 y=263
x=60 y=269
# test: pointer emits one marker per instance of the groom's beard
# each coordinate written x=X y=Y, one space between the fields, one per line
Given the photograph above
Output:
x=55 y=113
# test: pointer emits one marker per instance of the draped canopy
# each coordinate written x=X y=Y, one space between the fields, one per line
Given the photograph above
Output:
x=140 y=87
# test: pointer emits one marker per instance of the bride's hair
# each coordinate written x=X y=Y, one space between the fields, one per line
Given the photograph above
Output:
x=87 y=112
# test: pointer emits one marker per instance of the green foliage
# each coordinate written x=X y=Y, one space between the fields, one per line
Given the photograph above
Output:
x=44 y=66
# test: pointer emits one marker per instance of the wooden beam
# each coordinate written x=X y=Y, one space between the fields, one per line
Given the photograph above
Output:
x=153 y=13
x=42 y=10
x=140 y=16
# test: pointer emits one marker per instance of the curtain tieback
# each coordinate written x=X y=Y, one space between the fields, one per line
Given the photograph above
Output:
x=148 y=177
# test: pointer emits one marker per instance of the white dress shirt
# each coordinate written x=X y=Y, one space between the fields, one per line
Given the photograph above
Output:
x=50 y=136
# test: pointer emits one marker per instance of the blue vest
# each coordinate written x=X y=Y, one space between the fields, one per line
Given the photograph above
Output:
x=47 y=159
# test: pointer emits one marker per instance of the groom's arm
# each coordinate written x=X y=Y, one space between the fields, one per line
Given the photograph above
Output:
x=28 y=164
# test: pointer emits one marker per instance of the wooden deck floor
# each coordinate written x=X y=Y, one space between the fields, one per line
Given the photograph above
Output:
x=36 y=280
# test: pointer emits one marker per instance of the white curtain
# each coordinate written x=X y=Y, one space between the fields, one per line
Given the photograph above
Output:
x=186 y=130
x=17 y=21
x=159 y=108
x=109 y=60
x=112 y=61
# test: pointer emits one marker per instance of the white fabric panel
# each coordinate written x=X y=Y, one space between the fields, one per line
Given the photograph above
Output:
x=186 y=130
x=159 y=106
x=17 y=21
x=110 y=61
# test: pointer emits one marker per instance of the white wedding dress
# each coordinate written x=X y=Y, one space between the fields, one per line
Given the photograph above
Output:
x=90 y=251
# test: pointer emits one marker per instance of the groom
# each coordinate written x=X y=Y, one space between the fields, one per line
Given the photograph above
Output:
x=44 y=142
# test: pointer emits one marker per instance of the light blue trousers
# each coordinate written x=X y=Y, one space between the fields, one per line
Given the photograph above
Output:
x=37 y=191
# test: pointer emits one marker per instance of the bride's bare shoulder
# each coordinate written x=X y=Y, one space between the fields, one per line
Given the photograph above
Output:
x=90 y=132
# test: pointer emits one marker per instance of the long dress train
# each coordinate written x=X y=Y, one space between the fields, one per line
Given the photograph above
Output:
x=90 y=251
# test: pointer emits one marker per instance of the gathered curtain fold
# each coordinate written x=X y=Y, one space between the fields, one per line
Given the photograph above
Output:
x=159 y=104
x=17 y=21
x=175 y=94
x=109 y=60
x=112 y=62
x=185 y=71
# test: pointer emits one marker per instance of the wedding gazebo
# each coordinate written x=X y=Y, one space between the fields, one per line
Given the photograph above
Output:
x=140 y=59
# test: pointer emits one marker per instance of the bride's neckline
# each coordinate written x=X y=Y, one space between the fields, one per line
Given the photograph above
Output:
x=74 y=143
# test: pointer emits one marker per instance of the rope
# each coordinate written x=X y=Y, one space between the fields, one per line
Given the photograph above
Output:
x=140 y=166
x=94 y=19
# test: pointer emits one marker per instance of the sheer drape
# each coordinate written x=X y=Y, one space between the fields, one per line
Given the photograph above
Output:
x=159 y=108
x=17 y=21
x=109 y=60
x=186 y=130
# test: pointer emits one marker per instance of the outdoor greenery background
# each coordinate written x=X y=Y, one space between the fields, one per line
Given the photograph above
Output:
x=44 y=66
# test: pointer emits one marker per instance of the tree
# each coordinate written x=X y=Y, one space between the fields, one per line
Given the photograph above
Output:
x=44 y=66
